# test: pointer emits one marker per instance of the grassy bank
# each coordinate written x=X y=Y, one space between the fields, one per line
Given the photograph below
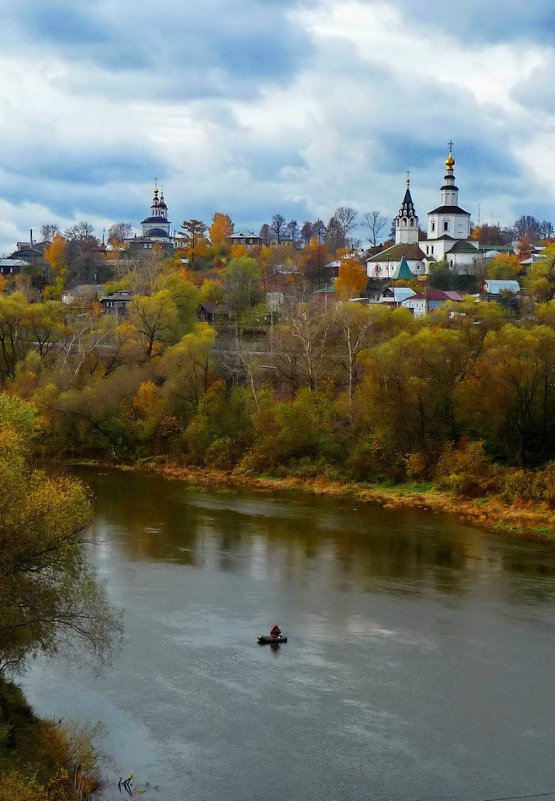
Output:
x=521 y=519
x=41 y=760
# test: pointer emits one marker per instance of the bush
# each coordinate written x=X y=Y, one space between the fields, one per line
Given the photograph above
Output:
x=372 y=461
x=464 y=468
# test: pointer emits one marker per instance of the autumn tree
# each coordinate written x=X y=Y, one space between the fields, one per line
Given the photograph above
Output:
x=194 y=240
x=351 y=280
x=221 y=229
x=242 y=287
x=504 y=266
x=13 y=312
x=156 y=318
x=540 y=282
x=509 y=397
x=407 y=397
x=56 y=256
x=265 y=234
x=487 y=234
x=356 y=326
x=189 y=369
x=313 y=260
x=49 y=598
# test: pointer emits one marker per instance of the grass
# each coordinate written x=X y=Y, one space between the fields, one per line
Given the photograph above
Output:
x=532 y=521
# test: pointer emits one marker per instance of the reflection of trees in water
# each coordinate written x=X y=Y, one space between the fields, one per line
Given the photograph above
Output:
x=298 y=538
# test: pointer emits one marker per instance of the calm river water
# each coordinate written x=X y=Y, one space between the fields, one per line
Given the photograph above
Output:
x=420 y=661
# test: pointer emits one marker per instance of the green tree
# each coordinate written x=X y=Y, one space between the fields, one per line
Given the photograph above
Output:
x=242 y=287
x=48 y=594
x=540 y=283
x=156 y=318
x=509 y=397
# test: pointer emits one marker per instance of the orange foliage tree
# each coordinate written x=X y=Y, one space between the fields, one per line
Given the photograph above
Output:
x=221 y=228
x=352 y=279
x=55 y=256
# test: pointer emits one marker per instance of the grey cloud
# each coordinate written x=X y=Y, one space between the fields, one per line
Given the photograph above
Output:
x=494 y=21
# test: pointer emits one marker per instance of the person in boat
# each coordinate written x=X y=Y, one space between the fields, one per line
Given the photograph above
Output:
x=275 y=631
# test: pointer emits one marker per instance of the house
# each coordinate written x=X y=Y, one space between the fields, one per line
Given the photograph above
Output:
x=247 y=238
x=116 y=303
x=82 y=293
x=504 y=292
x=429 y=300
x=395 y=295
x=12 y=266
x=213 y=313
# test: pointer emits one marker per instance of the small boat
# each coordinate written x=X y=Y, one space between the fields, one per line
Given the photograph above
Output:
x=266 y=639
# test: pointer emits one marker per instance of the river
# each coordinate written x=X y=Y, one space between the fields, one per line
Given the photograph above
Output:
x=420 y=661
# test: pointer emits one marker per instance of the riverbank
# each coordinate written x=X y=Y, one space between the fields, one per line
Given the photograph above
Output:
x=521 y=520
x=41 y=760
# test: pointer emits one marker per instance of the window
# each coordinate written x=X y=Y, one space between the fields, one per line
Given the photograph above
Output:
x=433 y=226
x=445 y=226
x=412 y=222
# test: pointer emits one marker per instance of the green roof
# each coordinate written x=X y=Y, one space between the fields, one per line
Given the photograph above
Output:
x=403 y=270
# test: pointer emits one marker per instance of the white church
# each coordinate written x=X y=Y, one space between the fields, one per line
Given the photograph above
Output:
x=447 y=237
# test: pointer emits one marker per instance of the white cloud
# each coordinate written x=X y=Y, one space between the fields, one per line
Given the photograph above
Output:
x=377 y=91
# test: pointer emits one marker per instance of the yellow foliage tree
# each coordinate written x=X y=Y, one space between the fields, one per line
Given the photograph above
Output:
x=505 y=266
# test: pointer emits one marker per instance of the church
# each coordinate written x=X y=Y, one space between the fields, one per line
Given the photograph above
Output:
x=155 y=228
x=447 y=237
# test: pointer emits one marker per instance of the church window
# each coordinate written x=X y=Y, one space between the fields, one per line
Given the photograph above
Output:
x=433 y=226
x=404 y=221
x=412 y=223
x=445 y=226
x=432 y=250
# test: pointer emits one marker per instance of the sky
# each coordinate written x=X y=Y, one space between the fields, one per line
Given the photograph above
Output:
x=259 y=107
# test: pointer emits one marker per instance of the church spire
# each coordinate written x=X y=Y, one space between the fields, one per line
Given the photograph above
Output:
x=406 y=222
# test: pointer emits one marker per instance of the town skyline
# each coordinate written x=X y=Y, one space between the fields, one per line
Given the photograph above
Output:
x=294 y=108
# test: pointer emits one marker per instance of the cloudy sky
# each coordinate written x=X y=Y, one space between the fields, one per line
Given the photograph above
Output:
x=263 y=106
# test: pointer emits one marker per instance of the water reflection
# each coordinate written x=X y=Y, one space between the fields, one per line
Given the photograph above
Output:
x=292 y=538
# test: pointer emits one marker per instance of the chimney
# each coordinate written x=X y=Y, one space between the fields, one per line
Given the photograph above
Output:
x=31 y=237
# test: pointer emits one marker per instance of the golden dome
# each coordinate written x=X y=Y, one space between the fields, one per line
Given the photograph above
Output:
x=449 y=162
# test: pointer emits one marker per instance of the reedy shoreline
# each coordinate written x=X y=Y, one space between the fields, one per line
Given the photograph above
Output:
x=521 y=520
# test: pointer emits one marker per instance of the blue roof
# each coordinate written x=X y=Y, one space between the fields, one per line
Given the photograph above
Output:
x=155 y=220
x=156 y=232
